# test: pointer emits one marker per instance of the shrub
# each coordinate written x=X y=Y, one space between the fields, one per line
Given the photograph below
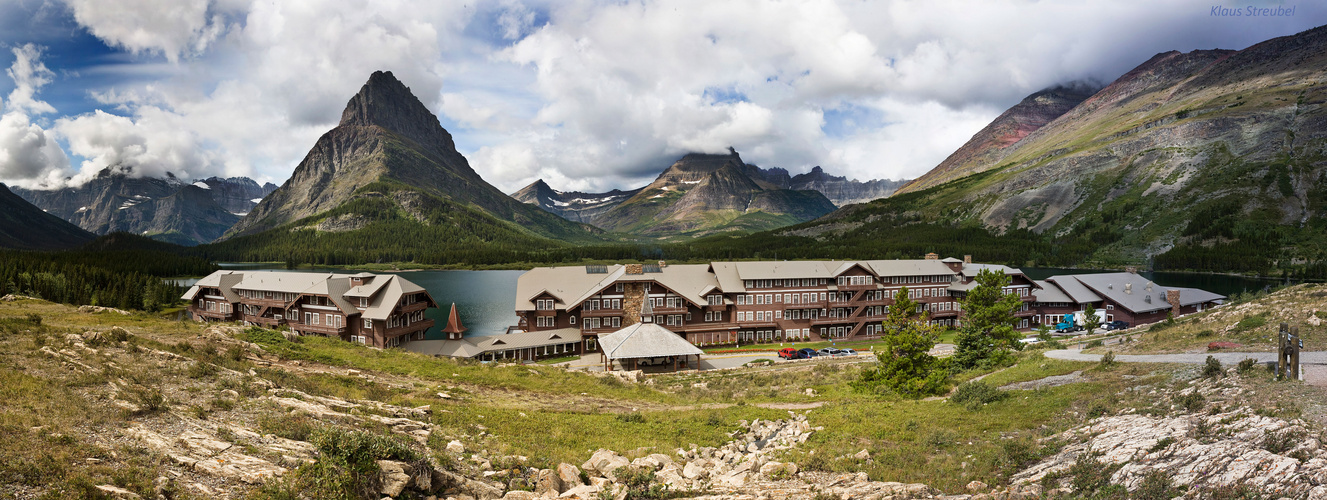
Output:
x=1212 y=368
x=1204 y=334
x=1094 y=343
x=1108 y=360
x=631 y=418
x=148 y=398
x=202 y=369
x=974 y=394
x=1156 y=485
x=1246 y=365
x=348 y=467
x=1191 y=402
x=1091 y=478
x=296 y=427
x=640 y=483
x=1281 y=442
x=1162 y=444
x=118 y=334
x=1250 y=323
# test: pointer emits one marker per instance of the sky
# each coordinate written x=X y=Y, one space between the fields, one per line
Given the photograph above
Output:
x=587 y=95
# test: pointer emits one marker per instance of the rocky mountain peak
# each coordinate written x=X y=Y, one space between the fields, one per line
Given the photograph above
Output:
x=385 y=102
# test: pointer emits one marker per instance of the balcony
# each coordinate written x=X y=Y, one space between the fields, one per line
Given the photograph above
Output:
x=210 y=314
x=417 y=306
x=263 y=302
x=599 y=313
x=413 y=327
x=323 y=329
x=827 y=320
x=262 y=320
x=944 y=314
x=670 y=310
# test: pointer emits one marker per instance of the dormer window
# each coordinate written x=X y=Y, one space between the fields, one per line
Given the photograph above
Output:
x=364 y=302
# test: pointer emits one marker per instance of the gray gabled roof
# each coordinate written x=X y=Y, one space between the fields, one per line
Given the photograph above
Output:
x=473 y=346
x=1072 y=287
x=221 y=280
x=1049 y=293
x=645 y=340
x=912 y=267
x=1112 y=286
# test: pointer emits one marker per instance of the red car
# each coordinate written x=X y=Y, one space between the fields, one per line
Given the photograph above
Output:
x=788 y=353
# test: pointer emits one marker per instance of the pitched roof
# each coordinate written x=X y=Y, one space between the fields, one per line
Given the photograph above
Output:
x=334 y=286
x=1048 y=293
x=645 y=340
x=1139 y=298
x=474 y=346
x=1074 y=289
x=911 y=267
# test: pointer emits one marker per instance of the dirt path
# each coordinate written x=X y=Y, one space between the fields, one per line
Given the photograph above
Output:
x=1314 y=363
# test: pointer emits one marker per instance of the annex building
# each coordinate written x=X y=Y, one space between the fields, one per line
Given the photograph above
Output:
x=748 y=302
x=376 y=310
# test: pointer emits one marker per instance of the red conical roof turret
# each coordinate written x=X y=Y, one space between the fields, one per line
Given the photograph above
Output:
x=453 y=323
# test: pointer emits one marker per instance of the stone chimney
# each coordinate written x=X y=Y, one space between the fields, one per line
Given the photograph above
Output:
x=932 y=256
x=967 y=259
x=635 y=269
x=1173 y=297
x=1128 y=288
x=1131 y=269
x=662 y=264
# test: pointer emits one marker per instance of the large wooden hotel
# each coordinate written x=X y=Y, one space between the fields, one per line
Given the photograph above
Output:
x=746 y=302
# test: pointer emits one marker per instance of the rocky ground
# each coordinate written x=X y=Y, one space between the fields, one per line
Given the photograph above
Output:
x=232 y=421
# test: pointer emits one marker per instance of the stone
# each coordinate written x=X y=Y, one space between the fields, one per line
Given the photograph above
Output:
x=604 y=462
x=582 y=492
x=862 y=455
x=443 y=395
x=520 y=495
x=116 y=492
x=455 y=447
x=647 y=463
x=394 y=476
x=694 y=470
x=779 y=469
x=570 y=475
x=548 y=483
x=976 y=486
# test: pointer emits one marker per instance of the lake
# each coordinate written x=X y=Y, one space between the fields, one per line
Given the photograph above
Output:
x=485 y=300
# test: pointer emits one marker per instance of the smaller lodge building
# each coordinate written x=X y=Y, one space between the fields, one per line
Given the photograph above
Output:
x=376 y=310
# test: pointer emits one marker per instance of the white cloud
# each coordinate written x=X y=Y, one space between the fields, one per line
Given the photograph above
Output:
x=591 y=94
x=29 y=154
x=152 y=144
x=172 y=28
x=29 y=75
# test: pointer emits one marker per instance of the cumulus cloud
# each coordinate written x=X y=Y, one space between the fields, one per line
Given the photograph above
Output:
x=29 y=154
x=589 y=94
x=172 y=28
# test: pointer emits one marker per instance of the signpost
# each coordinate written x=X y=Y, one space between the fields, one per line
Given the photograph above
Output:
x=1287 y=352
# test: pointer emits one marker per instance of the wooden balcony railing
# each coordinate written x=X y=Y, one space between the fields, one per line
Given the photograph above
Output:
x=325 y=329
x=413 y=327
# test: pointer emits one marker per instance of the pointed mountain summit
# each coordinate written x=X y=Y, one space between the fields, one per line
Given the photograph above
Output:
x=389 y=157
x=711 y=193
x=571 y=205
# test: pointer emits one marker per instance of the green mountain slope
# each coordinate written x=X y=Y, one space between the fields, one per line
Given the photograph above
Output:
x=23 y=226
x=1210 y=160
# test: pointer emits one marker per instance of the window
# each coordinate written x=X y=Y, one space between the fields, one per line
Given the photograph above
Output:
x=778 y=314
x=589 y=344
x=544 y=305
x=364 y=302
x=617 y=321
x=573 y=320
x=368 y=324
x=618 y=287
x=1110 y=307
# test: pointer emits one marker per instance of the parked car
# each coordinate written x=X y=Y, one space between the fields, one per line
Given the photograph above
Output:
x=846 y=352
x=1116 y=325
x=788 y=353
x=1030 y=340
x=828 y=351
x=807 y=353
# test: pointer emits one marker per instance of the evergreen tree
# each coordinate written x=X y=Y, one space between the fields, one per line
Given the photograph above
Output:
x=905 y=364
x=1090 y=320
x=988 y=332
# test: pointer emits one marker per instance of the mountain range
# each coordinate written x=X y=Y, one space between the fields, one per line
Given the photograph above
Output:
x=167 y=209
x=1206 y=160
x=703 y=194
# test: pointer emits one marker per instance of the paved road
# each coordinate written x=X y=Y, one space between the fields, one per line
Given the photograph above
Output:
x=1306 y=357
